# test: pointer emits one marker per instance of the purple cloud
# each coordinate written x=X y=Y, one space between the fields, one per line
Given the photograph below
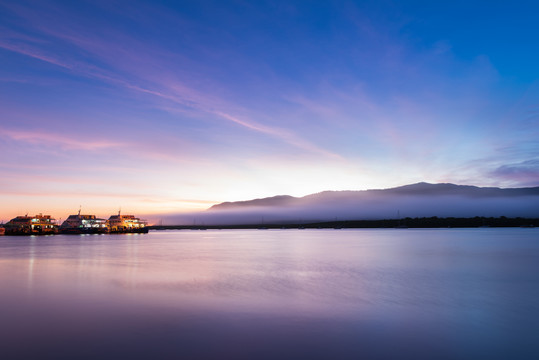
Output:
x=525 y=173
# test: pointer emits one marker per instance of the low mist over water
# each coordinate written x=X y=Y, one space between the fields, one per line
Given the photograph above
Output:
x=415 y=200
x=245 y=294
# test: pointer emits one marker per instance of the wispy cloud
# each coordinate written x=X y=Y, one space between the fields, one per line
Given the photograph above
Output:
x=34 y=53
x=525 y=173
x=282 y=134
x=44 y=138
x=179 y=93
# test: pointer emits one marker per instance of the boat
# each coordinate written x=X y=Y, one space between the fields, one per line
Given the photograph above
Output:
x=2 y=231
x=31 y=225
x=84 y=224
x=119 y=224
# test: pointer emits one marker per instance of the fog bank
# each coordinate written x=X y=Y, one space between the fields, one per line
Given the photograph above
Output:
x=417 y=200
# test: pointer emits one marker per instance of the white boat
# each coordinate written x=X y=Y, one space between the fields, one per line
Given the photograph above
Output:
x=84 y=224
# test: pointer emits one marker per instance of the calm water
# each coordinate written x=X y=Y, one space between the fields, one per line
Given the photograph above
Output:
x=286 y=294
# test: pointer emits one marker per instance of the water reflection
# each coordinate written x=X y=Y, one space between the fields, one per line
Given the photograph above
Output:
x=31 y=260
x=287 y=294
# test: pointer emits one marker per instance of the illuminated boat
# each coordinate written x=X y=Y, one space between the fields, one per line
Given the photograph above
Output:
x=2 y=231
x=31 y=225
x=126 y=224
x=84 y=224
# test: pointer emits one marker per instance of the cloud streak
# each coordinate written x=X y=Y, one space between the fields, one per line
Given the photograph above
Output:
x=176 y=92
x=525 y=172
x=32 y=52
x=54 y=139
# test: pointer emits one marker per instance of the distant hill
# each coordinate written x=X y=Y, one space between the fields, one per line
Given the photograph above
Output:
x=279 y=200
x=416 y=200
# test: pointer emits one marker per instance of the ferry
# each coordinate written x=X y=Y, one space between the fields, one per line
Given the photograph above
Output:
x=31 y=225
x=127 y=224
x=84 y=224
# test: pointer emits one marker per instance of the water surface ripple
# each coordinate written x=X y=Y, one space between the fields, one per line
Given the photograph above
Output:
x=287 y=294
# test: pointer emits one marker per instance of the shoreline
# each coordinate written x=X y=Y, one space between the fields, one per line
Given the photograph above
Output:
x=417 y=223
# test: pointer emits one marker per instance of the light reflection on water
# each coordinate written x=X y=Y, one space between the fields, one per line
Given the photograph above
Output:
x=242 y=294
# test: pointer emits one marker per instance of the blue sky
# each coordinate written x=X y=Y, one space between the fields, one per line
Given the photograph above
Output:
x=167 y=107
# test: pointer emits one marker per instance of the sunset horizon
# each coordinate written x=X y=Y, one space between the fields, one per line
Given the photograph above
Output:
x=435 y=192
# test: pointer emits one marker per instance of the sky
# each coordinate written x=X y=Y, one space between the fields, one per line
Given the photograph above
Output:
x=168 y=107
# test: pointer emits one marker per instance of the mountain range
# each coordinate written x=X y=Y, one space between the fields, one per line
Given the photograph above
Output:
x=416 y=200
